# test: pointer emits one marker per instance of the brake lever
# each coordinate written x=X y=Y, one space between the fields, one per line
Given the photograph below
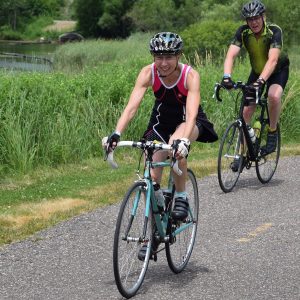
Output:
x=109 y=155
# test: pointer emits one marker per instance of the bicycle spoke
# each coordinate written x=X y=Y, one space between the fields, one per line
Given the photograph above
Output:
x=266 y=164
x=179 y=252
x=129 y=271
x=230 y=151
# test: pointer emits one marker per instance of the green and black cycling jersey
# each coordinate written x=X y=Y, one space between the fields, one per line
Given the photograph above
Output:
x=258 y=48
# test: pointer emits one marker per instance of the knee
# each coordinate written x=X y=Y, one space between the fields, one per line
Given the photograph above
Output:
x=248 y=113
x=274 y=98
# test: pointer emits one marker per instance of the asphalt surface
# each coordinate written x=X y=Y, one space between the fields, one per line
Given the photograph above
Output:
x=247 y=247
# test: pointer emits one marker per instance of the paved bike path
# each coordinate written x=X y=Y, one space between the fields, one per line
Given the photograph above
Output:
x=247 y=247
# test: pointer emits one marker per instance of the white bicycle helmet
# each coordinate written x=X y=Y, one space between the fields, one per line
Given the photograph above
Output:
x=166 y=43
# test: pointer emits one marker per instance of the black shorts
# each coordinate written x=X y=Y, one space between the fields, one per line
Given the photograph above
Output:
x=280 y=78
x=163 y=133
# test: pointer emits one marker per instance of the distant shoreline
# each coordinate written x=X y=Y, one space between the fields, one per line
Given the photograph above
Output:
x=28 y=42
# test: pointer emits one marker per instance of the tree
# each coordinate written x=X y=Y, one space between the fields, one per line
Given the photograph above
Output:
x=211 y=36
x=153 y=15
x=17 y=13
x=103 y=18
x=113 y=22
x=166 y=15
x=286 y=14
x=11 y=12
x=88 y=13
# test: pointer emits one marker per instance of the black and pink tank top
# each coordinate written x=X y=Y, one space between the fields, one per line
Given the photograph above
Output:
x=170 y=102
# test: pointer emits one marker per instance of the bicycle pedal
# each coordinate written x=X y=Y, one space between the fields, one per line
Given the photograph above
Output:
x=153 y=257
x=248 y=165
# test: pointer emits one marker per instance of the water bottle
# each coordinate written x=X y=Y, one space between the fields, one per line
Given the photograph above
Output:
x=257 y=128
x=251 y=133
x=159 y=196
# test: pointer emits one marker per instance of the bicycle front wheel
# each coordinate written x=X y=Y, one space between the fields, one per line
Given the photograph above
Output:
x=130 y=235
x=230 y=158
x=266 y=164
x=179 y=249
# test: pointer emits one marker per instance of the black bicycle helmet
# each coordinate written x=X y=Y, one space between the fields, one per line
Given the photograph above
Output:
x=166 y=43
x=253 y=9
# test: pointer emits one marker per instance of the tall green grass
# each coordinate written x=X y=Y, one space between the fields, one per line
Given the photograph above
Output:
x=54 y=118
x=91 y=53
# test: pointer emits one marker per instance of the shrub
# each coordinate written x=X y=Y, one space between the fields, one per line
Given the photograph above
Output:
x=6 y=33
x=208 y=37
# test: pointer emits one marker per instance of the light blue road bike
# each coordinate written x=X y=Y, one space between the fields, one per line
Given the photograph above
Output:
x=141 y=222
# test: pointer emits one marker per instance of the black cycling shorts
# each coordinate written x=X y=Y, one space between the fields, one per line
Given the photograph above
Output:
x=280 y=78
x=164 y=135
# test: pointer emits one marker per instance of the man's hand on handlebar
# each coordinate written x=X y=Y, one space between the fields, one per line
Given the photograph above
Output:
x=256 y=86
x=227 y=82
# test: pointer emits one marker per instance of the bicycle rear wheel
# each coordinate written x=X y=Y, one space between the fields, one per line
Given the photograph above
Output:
x=266 y=164
x=179 y=249
x=231 y=149
x=129 y=270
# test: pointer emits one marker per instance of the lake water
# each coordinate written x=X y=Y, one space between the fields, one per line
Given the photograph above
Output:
x=26 y=57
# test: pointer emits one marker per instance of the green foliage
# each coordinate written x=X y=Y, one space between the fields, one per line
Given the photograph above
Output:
x=172 y=15
x=87 y=13
x=36 y=26
x=51 y=119
x=105 y=18
x=75 y=56
x=56 y=118
x=17 y=13
x=119 y=18
x=146 y=13
x=6 y=33
x=286 y=14
x=222 y=11
x=114 y=22
x=208 y=37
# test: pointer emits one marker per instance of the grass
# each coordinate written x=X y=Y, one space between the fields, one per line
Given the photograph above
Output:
x=56 y=118
x=47 y=196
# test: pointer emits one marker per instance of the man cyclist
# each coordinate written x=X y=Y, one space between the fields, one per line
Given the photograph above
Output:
x=270 y=65
x=176 y=115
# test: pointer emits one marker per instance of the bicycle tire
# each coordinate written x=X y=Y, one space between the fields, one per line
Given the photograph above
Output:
x=129 y=271
x=179 y=250
x=231 y=147
x=266 y=165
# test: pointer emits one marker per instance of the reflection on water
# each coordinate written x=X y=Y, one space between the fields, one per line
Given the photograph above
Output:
x=26 y=57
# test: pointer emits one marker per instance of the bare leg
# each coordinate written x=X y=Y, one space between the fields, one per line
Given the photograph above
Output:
x=274 y=97
x=180 y=180
x=248 y=113
x=157 y=172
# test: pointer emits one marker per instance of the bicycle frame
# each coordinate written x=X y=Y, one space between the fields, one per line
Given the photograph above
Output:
x=263 y=103
x=161 y=219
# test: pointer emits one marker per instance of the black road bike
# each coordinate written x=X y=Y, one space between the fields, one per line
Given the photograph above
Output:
x=236 y=144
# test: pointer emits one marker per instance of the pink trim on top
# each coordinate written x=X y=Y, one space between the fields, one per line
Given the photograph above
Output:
x=181 y=82
x=156 y=83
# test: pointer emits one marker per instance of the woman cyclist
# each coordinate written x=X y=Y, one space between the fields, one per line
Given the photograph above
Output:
x=176 y=116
